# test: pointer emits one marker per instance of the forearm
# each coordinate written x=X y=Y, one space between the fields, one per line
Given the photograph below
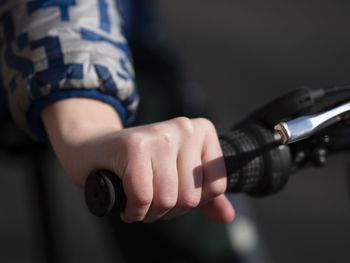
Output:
x=71 y=124
x=56 y=51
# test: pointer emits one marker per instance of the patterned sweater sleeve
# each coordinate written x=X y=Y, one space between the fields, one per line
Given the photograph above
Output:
x=57 y=49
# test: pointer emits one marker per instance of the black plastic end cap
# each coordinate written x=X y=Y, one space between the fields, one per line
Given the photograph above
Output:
x=99 y=193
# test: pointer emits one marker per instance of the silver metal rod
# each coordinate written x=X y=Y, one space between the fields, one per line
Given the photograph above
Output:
x=305 y=126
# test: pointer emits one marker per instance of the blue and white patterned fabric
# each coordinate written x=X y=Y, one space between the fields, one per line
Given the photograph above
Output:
x=56 y=49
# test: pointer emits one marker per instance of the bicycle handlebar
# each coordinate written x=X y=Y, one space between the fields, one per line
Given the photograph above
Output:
x=256 y=163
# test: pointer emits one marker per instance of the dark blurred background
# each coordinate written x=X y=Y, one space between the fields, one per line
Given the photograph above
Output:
x=242 y=54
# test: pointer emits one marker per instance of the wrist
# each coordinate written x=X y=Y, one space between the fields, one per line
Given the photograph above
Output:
x=77 y=129
x=78 y=119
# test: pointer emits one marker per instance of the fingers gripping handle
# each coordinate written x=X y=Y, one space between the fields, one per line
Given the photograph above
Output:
x=255 y=164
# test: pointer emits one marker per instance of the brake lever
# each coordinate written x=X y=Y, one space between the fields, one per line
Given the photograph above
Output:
x=305 y=126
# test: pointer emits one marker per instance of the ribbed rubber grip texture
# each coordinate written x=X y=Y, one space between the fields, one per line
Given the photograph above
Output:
x=238 y=149
x=255 y=161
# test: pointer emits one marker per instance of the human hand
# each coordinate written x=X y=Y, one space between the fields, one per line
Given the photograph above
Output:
x=167 y=168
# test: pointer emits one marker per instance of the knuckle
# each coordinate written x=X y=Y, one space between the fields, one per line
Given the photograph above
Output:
x=142 y=199
x=217 y=188
x=185 y=125
x=190 y=202
x=166 y=203
x=206 y=124
x=162 y=132
x=136 y=141
x=167 y=137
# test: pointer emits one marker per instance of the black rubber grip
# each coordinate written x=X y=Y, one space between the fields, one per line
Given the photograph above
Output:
x=254 y=165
